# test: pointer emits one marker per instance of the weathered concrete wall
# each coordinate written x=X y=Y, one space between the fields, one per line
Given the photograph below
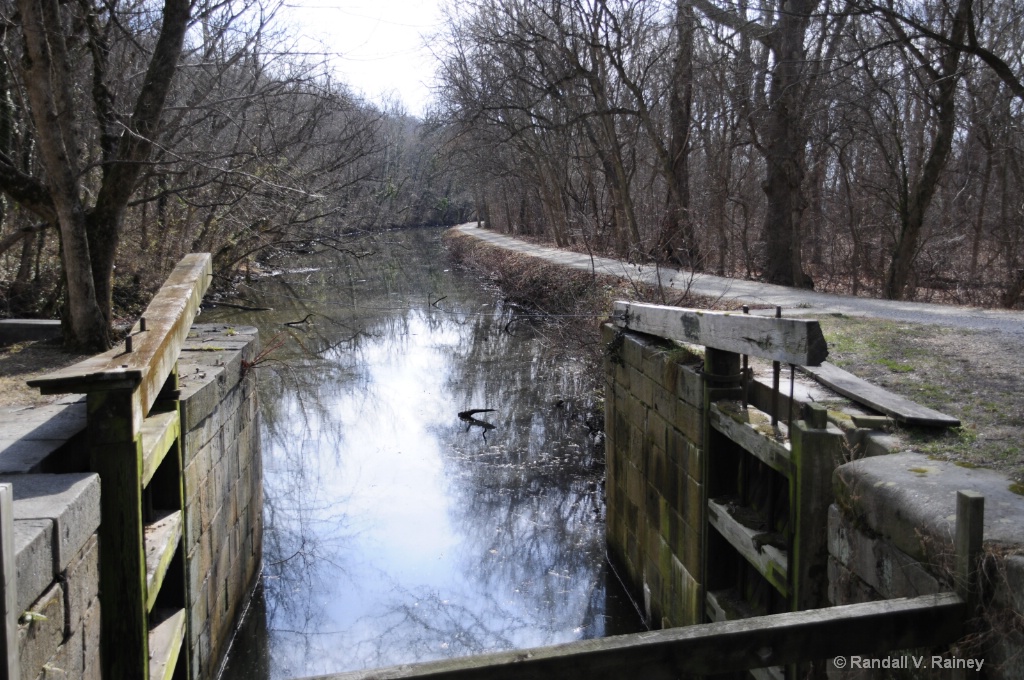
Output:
x=891 y=535
x=654 y=425
x=223 y=485
x=22 y=330
x=57 y=567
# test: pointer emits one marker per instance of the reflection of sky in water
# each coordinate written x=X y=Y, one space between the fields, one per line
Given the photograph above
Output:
x=396 y=532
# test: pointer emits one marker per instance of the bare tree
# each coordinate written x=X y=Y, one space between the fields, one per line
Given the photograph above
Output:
x=89 y=232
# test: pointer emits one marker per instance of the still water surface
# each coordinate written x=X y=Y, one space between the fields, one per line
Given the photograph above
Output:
x=395 y=531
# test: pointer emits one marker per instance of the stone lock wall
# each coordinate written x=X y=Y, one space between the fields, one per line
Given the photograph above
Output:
x=57 y=567
x=57 y=516
x=891 y=534
x=223 y=485
x=654 y=423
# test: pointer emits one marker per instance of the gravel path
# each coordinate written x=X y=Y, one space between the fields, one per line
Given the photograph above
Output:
x=794 y=301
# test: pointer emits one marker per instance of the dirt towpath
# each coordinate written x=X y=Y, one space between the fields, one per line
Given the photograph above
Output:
x=794 y=301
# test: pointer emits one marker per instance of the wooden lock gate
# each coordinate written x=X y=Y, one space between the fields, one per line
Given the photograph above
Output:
x=135 y=445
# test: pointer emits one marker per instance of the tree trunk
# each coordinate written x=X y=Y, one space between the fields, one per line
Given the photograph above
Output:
x=678 y=238
x=912 y=222
x=785 y=141
x=89 y=237
x=48 y=81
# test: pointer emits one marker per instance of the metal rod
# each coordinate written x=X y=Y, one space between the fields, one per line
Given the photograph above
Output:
x=142 y=323
x=128 y=345
x=746 y=377
x=776 y=369
x=792 y=370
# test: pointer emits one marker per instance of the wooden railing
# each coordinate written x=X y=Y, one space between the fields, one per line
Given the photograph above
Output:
x=872 y=628
x=134 y=440
x=869 y=630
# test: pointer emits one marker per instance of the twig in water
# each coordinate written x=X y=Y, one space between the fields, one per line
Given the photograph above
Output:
x=276 y=343
x=299 y=323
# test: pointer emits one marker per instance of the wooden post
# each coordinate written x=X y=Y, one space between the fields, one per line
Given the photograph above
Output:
x=115 y=450
x=816 y=451
x=9 y=670
x=970 y=532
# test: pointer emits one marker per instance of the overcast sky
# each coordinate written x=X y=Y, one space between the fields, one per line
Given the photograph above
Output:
x=378 y=45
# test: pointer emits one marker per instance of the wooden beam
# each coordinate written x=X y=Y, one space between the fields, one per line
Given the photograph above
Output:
x=791 y=341
x=154 y=350
x=770 y=562
x=877 y=398
x=751 y=429
x=865 y=629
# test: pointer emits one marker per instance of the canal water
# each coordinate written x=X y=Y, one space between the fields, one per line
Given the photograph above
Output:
x=396 y=531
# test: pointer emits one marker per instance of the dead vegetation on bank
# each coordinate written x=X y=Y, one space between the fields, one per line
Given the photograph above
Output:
x=575 y=302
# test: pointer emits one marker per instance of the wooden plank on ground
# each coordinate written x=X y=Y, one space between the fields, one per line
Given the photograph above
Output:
x=877 y=398
x=867 y=629
x=154 y=350
x=791 y=341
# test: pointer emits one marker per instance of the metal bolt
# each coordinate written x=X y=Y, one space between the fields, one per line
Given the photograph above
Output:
x=142 y=323
x=128 y=344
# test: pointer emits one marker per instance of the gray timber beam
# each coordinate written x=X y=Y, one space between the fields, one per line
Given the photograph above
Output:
x=878 y=398
x=790 y=341
x=779 y=639
x=155 y=347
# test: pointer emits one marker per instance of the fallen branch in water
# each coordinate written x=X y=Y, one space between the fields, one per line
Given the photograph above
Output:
x=246 y=308
x=299 y=323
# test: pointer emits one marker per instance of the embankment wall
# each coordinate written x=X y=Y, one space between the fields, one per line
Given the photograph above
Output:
x=223 y=485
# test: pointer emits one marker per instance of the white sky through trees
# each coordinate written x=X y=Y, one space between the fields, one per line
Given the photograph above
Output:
x=377 y=47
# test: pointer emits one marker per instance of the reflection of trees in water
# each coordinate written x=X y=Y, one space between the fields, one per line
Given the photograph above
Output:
x=305 y=535
x=306 y=532
x=531 y=493
x=527 y=500
x=424 y=624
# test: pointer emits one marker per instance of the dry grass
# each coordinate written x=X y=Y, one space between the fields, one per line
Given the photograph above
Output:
x=27 y=360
